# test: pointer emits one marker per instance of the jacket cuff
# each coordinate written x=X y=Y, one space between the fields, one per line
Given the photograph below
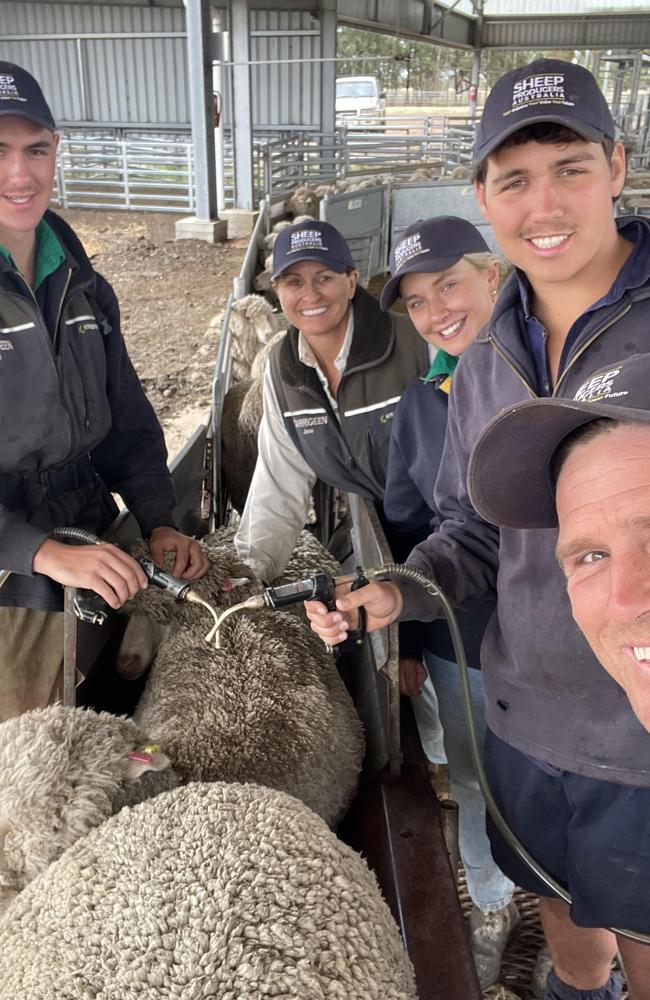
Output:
x=26 y=540
x=149 y=519
x=418 y=604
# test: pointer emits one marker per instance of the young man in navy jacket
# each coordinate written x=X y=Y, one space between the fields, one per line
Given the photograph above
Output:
x=77 y=425
x=548 y=170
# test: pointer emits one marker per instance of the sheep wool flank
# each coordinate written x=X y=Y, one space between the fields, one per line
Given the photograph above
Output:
x=243 y=407
x=269 y=706
x=222 y=891
x=252 y=322
x=64 y=771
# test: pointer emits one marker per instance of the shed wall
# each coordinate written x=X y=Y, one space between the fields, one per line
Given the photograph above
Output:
x=143 y=81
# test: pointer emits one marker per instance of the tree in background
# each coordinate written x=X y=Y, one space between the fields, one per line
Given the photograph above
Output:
x=401 y=63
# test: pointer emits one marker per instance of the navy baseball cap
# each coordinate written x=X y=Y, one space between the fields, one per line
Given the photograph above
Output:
x=546 y=90
x=21 y=95
x=311 y=240
x=510 y=472
x=428 y=246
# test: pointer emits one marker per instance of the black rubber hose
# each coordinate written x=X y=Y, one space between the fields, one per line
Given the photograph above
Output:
x=432 y=588
x=75 y=535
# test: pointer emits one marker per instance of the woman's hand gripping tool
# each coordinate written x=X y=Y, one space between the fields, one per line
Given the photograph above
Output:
x=320 y=587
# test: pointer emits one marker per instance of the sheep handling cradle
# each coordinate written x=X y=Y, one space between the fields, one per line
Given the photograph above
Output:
x=395 y=822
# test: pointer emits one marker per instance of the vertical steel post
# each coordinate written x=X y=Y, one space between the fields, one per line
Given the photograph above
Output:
x=476 y=61
x=221 y=55
x=125 y=174
x=199 y=51
x=69 y=647
x=328 y=17
x=242 y=125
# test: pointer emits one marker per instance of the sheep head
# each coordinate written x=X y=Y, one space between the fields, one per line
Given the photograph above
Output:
x=64 y=771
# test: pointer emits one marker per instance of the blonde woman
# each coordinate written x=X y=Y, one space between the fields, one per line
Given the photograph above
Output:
x=447 y=278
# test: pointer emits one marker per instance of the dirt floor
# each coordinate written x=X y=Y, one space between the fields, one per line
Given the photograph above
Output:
x=168 y=292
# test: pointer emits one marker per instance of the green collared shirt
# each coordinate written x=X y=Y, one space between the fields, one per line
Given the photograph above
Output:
x=49 y=253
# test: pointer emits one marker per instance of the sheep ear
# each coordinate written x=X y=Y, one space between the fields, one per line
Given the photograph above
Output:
x=148 y=758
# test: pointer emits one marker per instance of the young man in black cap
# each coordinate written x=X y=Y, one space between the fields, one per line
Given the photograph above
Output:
x=548 y=170
x=76 y=423
x=330 y=390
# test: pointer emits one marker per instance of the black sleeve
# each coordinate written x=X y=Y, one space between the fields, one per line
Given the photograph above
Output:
x=132 y=459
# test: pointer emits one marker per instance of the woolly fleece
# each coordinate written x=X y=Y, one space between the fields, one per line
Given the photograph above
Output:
x=269 y=707
x=227 y=892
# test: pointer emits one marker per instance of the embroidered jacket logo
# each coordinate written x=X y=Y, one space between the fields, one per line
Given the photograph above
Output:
x=303 y=422
x=600 y=386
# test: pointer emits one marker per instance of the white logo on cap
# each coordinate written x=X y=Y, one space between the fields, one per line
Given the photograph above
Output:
x=8 y=89
x=599 y=386
x=542 y=88
x=407 y=249
x=306 y=239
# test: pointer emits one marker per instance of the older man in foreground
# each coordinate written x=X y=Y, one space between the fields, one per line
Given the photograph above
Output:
x=585 y=468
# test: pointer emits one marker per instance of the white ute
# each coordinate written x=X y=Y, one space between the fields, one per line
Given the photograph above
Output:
x=359 y=95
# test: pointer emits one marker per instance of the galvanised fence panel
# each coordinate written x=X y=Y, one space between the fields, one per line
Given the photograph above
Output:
x=362 y=218
x=424 y=199
x=139 y=174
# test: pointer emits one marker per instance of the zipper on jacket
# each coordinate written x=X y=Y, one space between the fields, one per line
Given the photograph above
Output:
x=60 y=310
x=588 y=343
x=513 y=367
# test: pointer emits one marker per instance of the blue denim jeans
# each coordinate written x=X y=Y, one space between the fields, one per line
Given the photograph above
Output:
x=488 y=887
x=427 y=717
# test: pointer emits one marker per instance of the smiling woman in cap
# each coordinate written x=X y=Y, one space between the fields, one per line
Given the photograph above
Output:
x=447 y=278
x=330 y=391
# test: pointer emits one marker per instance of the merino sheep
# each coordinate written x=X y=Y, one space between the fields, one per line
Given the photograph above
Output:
x=228 y=892
x=64 y=771
x=303 y=201
x=243 y=408
x=239 y=427
x=269 y=706
x=423 y=174
x=252 y=323
x=323 y=190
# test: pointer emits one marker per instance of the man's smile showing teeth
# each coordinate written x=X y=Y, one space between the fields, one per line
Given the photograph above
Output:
x=450 y=330
x=314 y=312
x=547 y=242
x=641 y=653
x=18 y=199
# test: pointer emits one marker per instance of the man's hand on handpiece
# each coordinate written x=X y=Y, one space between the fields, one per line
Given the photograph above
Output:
x=191 y=561
x=107 y=570
x=382 y=601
